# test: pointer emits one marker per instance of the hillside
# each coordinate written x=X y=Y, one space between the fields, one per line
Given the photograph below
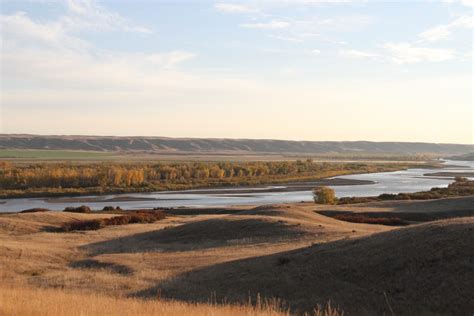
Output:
x=231 y=146
x=286 y=252
x=465 y=157
x=419 y=270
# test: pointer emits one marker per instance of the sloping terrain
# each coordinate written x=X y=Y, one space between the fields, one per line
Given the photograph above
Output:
x=465 y=157
x=242 y=146
x=262 y=225
x=127 y=259
x=283 y=251
x=211 y=233
x=408 y=211
x=419 y=270
x=425 y=206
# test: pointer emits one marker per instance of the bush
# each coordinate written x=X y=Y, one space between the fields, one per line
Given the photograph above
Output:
x=36 y=210
x=80 y=209
x=355 y=200
x=365 y=219
x=94 y=224
x=461 y=179
x=118 y=220
x=132 y=218
x=324 y=195
x=111 y=209
x=387 y=196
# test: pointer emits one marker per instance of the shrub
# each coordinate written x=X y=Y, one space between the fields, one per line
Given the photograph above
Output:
x=324 y=195
x=146 y=216
x=80 y=209
x=132 y=218
x=118 y=220
x=94 y=224
x=35 y=210
x=354 y=200
x=111 y=209
x=365 y=219
x=461 y=179
x=387 y=196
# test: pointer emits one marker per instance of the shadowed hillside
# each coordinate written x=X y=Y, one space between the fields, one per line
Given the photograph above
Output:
x=242 y=146
x=420 y=270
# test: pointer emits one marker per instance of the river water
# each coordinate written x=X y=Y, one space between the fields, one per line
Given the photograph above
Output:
x=407 y=181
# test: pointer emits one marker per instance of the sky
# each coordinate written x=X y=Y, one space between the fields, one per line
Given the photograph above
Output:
x=296 y=70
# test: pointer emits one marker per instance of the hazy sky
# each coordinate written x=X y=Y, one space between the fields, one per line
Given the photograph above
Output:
x=299 y=69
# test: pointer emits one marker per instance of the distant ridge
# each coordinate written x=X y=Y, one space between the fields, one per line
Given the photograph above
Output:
x=231 y=146
x=465 y=157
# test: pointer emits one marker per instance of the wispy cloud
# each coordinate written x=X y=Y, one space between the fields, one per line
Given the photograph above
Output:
x=444 y=31
x=19 y=31
x=234 y=8
x=468 y=3
x=403 y=53
x=50 y=52
x=357 y=54
x=88 y=14
x=170 y=59
x=293 y=39
x=275 y=24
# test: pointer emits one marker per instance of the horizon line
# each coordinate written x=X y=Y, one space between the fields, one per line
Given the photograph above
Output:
x=230 y=138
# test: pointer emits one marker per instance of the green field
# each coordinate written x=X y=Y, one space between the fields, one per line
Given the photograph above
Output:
x=52 y=154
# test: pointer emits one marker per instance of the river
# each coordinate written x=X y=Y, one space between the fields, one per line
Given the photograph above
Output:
x=406 y=181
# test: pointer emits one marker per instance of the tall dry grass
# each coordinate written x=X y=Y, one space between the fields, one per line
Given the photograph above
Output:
x=33 y=301
x=26 y=301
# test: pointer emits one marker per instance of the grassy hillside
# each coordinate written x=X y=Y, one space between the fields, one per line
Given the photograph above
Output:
x=465 y=157
x=287 y=255
x=52 y=154
x=24 y=301
x=228 y=146
x=419 y=270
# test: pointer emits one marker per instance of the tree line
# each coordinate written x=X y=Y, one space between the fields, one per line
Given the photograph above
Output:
x=180 y=175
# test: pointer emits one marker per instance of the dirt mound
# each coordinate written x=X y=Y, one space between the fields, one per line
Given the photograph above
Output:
x=423 y=269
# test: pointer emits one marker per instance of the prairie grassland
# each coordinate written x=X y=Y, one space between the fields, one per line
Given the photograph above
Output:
x=288 y=252
x=92 y=271
x=24 y=301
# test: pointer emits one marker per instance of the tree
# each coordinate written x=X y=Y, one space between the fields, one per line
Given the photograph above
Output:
x=324 y=195
x=461 y=179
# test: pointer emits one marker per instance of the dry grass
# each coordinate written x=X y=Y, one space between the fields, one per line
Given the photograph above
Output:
x=32 y=252
x=96 y=271
x=33 y=301
x=428 y=263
